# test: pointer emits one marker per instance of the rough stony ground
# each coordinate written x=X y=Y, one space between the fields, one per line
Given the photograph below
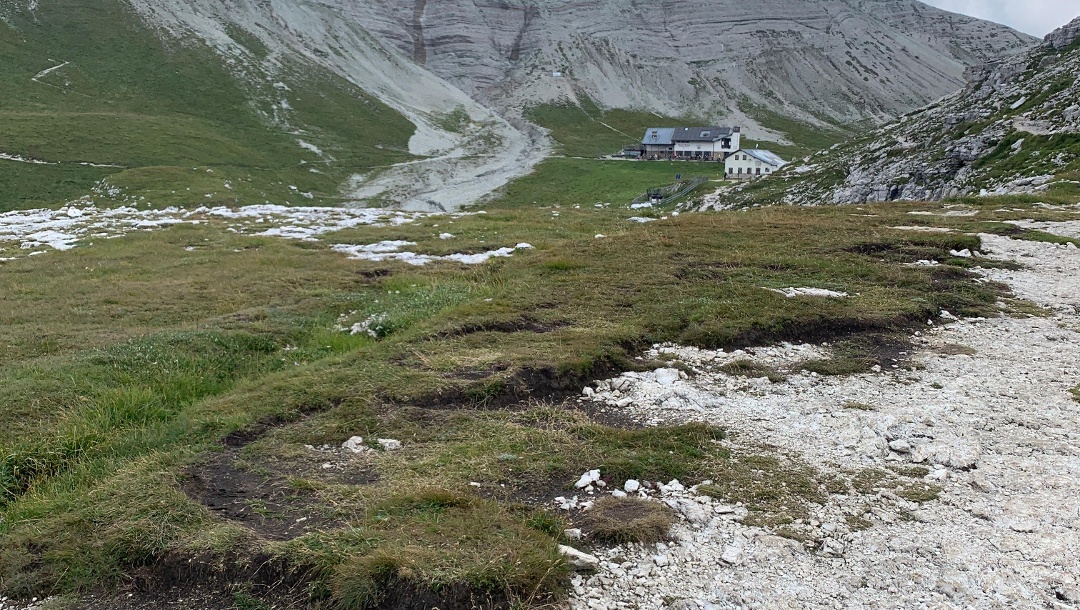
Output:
x=984 y=404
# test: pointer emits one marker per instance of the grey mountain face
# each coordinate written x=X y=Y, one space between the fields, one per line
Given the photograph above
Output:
x=821 y=61
x=831 y=60
x=1014 y=128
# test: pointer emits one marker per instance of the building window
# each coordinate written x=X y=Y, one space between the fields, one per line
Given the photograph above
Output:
x=759 y=171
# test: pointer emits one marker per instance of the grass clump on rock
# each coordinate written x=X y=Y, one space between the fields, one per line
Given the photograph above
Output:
x=751 y=369
x=621 y=520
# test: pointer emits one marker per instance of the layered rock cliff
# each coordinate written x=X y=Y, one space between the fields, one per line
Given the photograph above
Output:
x=1014 y=128
x=819 y=60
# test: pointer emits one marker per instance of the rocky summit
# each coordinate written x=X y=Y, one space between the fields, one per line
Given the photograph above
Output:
x=1014 y=128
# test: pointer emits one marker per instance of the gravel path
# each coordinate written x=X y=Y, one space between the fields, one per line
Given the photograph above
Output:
x=986 y=409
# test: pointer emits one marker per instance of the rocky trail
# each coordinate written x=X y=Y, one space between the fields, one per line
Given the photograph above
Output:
x=982 y=405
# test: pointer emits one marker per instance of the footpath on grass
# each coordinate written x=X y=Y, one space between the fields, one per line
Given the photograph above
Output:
x=963 y=454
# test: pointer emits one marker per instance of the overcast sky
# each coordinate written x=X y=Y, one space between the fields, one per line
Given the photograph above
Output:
x=1036 y=17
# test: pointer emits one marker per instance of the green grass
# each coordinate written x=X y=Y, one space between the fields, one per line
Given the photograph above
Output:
x=131 y=99
x=127 y=363
x=586 y=130
x=586 y=182
x=1035 y=157
x=804 y=138
x=749 y=368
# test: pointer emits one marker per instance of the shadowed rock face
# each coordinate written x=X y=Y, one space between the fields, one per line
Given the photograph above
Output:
x=839 y=60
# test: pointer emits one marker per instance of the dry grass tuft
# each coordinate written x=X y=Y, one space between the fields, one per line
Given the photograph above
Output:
x=621 y=520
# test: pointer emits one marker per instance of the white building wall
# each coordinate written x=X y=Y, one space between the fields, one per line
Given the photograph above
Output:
x=742 y=164
x=716 y=149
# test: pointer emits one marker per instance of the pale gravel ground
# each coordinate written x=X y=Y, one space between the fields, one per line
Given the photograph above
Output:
x=32 y=232
x=1004 y=534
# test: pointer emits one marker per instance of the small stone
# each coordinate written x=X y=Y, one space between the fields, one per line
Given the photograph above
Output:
x=1024 y=526
x=355 y=444
x=577 y=559
x=389 y=444
x=572 y=534
x=588 y=479
x=900 y=446
x=661 y=560
x=616 y=493
x=666 y=376
x=631 y=486
x=732 y=554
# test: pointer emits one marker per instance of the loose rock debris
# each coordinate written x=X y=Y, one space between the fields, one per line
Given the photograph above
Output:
x=33 y=232
x=984 y=411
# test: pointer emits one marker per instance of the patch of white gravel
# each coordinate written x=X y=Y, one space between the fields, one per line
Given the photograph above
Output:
x=30 y=232
x=994 y=423
x=391 y=250
x=1069 y=228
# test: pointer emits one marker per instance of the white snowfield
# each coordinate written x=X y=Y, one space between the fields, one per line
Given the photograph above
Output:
x=997 y=429
x=457 y=168
x=33 y=232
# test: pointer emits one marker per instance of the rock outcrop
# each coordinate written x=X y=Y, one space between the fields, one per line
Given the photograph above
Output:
x=1014 y=128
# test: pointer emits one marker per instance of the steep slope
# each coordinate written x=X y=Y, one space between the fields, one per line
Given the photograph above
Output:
x=87 y=83
x=237 y=87
x=1015 y=128
x=823 y=61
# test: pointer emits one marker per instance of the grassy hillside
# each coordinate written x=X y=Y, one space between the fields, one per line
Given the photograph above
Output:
x=586 y=130
x=124 y=95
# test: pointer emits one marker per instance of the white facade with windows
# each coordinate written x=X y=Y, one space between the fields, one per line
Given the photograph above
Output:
x=709 y=143
x=705 y=142
x=752 y=163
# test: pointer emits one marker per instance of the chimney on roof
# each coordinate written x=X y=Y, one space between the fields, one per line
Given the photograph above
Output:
x=736 y=129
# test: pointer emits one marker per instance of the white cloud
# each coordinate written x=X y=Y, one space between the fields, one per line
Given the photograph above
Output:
x=1036 y=17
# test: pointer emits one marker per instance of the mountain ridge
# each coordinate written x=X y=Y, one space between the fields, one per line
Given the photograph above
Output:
x=1014 y=128
x=465 y=74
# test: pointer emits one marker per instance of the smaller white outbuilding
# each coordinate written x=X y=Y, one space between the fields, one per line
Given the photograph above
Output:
x=749 y=163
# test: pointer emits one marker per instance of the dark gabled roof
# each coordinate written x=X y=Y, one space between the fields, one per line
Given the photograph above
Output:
x=701 y=134
x=658 y=136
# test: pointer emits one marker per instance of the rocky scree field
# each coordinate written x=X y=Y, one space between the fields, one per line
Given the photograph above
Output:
x=1012 y=130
